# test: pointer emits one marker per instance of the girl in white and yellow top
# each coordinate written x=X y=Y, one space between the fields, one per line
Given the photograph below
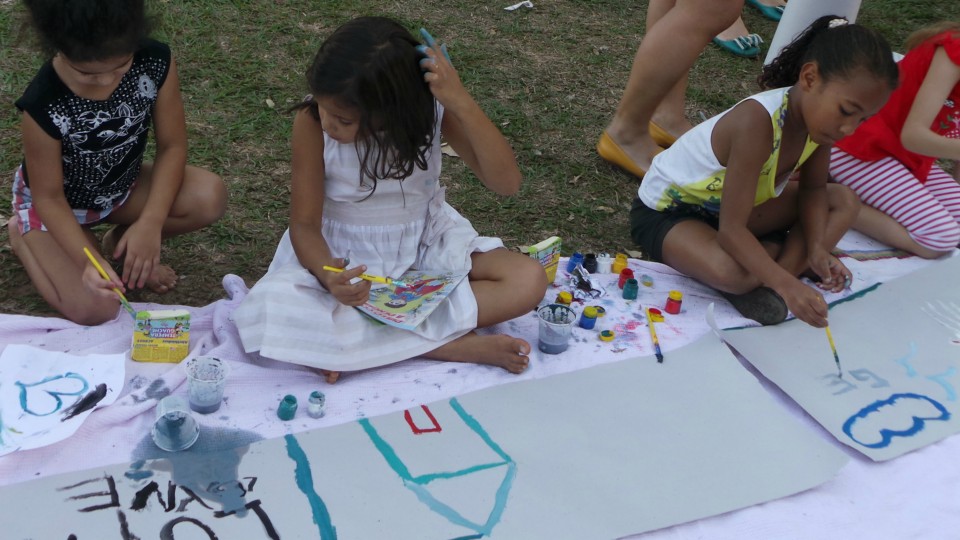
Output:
x=713 y=204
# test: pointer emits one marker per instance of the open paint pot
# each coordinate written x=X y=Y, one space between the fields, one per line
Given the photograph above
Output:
x=175 y=429
x=556 y=327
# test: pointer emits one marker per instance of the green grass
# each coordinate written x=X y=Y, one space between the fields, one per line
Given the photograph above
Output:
x=550 y=77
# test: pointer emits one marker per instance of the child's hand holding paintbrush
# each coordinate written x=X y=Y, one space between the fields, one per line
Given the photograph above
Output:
x=108 y=285
x=354 y=294
x=340 y=283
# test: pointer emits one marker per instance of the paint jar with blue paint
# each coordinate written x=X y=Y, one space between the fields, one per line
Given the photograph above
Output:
x=588 y=319
x=556 y=327
x=174 y=429
x=575 y=259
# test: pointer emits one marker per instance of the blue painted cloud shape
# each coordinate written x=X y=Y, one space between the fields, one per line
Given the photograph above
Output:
x=897 y=410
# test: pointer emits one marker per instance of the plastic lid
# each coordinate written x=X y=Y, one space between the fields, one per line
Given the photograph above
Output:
x=590 y=312
x=675 y=295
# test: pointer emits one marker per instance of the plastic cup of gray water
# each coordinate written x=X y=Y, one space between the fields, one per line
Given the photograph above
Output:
x=175 y=429
x=206 y=378
x=556 y=327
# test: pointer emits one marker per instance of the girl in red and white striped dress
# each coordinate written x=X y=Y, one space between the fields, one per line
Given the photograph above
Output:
x=890 y=161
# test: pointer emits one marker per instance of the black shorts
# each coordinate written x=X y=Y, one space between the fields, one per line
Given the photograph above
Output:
x=648 y=227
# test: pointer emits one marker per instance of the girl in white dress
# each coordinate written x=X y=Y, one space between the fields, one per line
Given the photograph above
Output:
x=366 y=166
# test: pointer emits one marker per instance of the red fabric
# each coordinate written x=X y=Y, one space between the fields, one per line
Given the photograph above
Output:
x=879 y=137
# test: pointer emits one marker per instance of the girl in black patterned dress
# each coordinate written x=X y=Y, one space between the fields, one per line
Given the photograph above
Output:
x=86 y=119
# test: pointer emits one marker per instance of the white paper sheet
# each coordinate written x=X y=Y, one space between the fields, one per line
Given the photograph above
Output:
x=43 y=394
x=612 y=450
x=900 y=357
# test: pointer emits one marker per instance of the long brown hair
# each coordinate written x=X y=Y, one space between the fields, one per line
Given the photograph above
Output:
x=371 y=64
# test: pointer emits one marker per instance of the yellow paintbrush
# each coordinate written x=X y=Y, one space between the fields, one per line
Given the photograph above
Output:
x=123 y=299
x=368 y=277
x=833 y=346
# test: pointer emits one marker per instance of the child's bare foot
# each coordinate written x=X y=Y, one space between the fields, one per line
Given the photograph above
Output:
x=163 y=279
x=507 y=352
x=13 y=232
x=499 y=350
x=331 y=376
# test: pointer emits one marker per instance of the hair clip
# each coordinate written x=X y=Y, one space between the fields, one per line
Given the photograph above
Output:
x=837 y=22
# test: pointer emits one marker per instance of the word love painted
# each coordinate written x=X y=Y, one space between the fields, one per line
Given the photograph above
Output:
x=185 y=507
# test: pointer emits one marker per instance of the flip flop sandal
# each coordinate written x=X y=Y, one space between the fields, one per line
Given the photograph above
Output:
x=774 y=13
x=744 y=46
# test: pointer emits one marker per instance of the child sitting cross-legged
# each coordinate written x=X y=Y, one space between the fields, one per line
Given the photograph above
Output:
x=719 y=205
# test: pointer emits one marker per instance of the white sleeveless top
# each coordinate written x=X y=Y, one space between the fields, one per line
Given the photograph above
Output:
x=689 y=172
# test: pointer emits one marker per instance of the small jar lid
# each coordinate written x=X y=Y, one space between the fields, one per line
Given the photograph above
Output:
x=590 y=312
x=675 y=295
x=607 y=335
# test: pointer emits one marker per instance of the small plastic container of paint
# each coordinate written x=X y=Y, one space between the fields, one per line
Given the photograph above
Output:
x=590 y=263
x=630 y=289
x=588 y=319
x=556 y=327
x=316 y=403
x=619 y=263
x=625 y=274
x=604 y=263
x=564 y=297
x=674 y=299
x=287 y=408
x=575 y=259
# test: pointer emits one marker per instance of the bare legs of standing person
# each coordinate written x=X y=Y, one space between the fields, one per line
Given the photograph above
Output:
x=677 y=30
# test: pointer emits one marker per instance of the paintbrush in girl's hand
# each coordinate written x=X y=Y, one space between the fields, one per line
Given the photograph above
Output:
x=368 y=277
x=833 y=347
x=103 y=274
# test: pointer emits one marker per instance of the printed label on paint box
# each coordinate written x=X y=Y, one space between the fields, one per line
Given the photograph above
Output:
x=548 y=253
x=161 y=336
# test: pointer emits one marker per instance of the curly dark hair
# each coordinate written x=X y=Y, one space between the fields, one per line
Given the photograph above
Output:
x=89 y=30
x=371 y=64
x=839 y=51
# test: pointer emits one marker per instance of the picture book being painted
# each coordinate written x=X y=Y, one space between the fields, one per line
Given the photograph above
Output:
x=409 y=305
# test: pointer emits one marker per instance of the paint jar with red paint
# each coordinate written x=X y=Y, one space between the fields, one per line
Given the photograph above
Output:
x=625 y=274
x=674 y=299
